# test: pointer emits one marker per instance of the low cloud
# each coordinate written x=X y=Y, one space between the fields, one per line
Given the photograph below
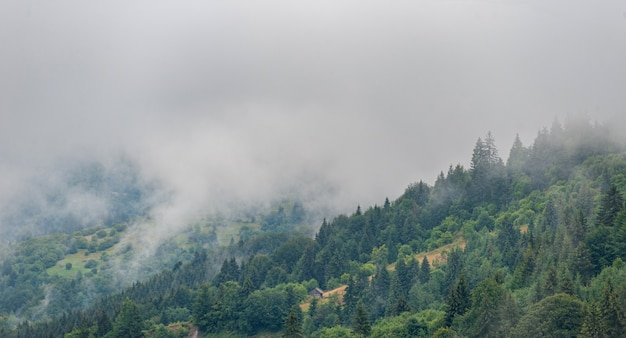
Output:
x=341 y=104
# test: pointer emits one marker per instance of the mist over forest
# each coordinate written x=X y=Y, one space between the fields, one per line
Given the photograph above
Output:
x=188 y=166
x=237 y=102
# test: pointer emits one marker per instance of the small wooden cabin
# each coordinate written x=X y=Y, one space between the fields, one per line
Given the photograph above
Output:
x=317 y=293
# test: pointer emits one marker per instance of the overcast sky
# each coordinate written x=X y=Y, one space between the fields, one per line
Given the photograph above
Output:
x=250 y=97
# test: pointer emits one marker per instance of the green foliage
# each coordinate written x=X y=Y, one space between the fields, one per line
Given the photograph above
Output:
x=458 y=299
x=493 y=311
x=560 y=315
x=361 y=323
x=540 y=232
x=293 y=326
x=612 y=314
x=266 y=310
x=335 y=332
x=612 y=203
x=402 y=326
x=128 y=322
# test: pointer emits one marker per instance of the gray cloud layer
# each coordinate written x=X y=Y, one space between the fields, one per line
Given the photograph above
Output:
x=247 y=99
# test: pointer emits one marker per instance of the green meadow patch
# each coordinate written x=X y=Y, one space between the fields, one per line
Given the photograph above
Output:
x=78 y=262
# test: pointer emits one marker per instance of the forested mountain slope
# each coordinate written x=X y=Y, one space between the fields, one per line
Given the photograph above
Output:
x=544 y=247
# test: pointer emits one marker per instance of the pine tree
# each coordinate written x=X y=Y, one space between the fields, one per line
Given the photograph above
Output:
x=592 y=325
x=458 y=301
x=401 y=306
x=307 y=268
x=202 y=305
x=381 y=282
x=583 y=264
x=524 y=270
x=293 y=326
x=565 y=281
x=463 y=294
x=612 y=316
x=612 y=203
x=103 y=324
x=350 y=298
x=424 y=274
x=361 y=323
x=404 y=278
x=452 y=305
x=485 y=315
x=128 y=321
x=486 y=171
x=517 y=156
x=551 y=282
x=454 y=266
x=579 y=228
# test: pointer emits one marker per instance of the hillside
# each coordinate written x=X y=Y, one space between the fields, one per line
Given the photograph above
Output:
x=486 y=251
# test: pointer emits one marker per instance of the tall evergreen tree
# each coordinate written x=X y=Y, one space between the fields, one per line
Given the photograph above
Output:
x=401 y=306
x=424 y=274
x=463 y=294
x=350 y=299
x=128 y=322
x=517 y=156
x=103 y=324
x=485 y=318
x=550 y=282
x=611 y=204
x=293 y=326
x=486 y=171
x=361 y=322
x=454 y=266
x=612 y=315
x=579 y=228
x=459 y=300
x=404 y=278
x=592 y=325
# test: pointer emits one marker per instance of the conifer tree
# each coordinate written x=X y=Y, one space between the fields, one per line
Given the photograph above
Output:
x=459 y=300
x=454 y=267
x=128 y=321
x=485 y=316
x=103 y=324
x=551 y=282
x=463 y=294
x=424 y=274
x=293 y=326
x=525 y=269
x=583 y=264
x=401 y=306
x=350 y=298
x=612 y=203
x=592 y=325
x=361 y=323
x=565 y=281
x=612 y=316
x=517 y=156
x=404 y=278
x=579 y=228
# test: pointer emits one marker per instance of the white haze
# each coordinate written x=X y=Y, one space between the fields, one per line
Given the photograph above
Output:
x=341 y=103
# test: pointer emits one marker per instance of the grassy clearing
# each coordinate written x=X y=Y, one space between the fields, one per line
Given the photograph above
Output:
x=435 y=257
x=438 y=256
x=328 y=295
x=225 y=233
x=523 y=229
x=77 y=260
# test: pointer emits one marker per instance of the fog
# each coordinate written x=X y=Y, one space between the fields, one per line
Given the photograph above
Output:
x=339 y=104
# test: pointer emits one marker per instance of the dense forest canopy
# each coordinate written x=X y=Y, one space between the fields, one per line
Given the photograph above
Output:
x=534 y=245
